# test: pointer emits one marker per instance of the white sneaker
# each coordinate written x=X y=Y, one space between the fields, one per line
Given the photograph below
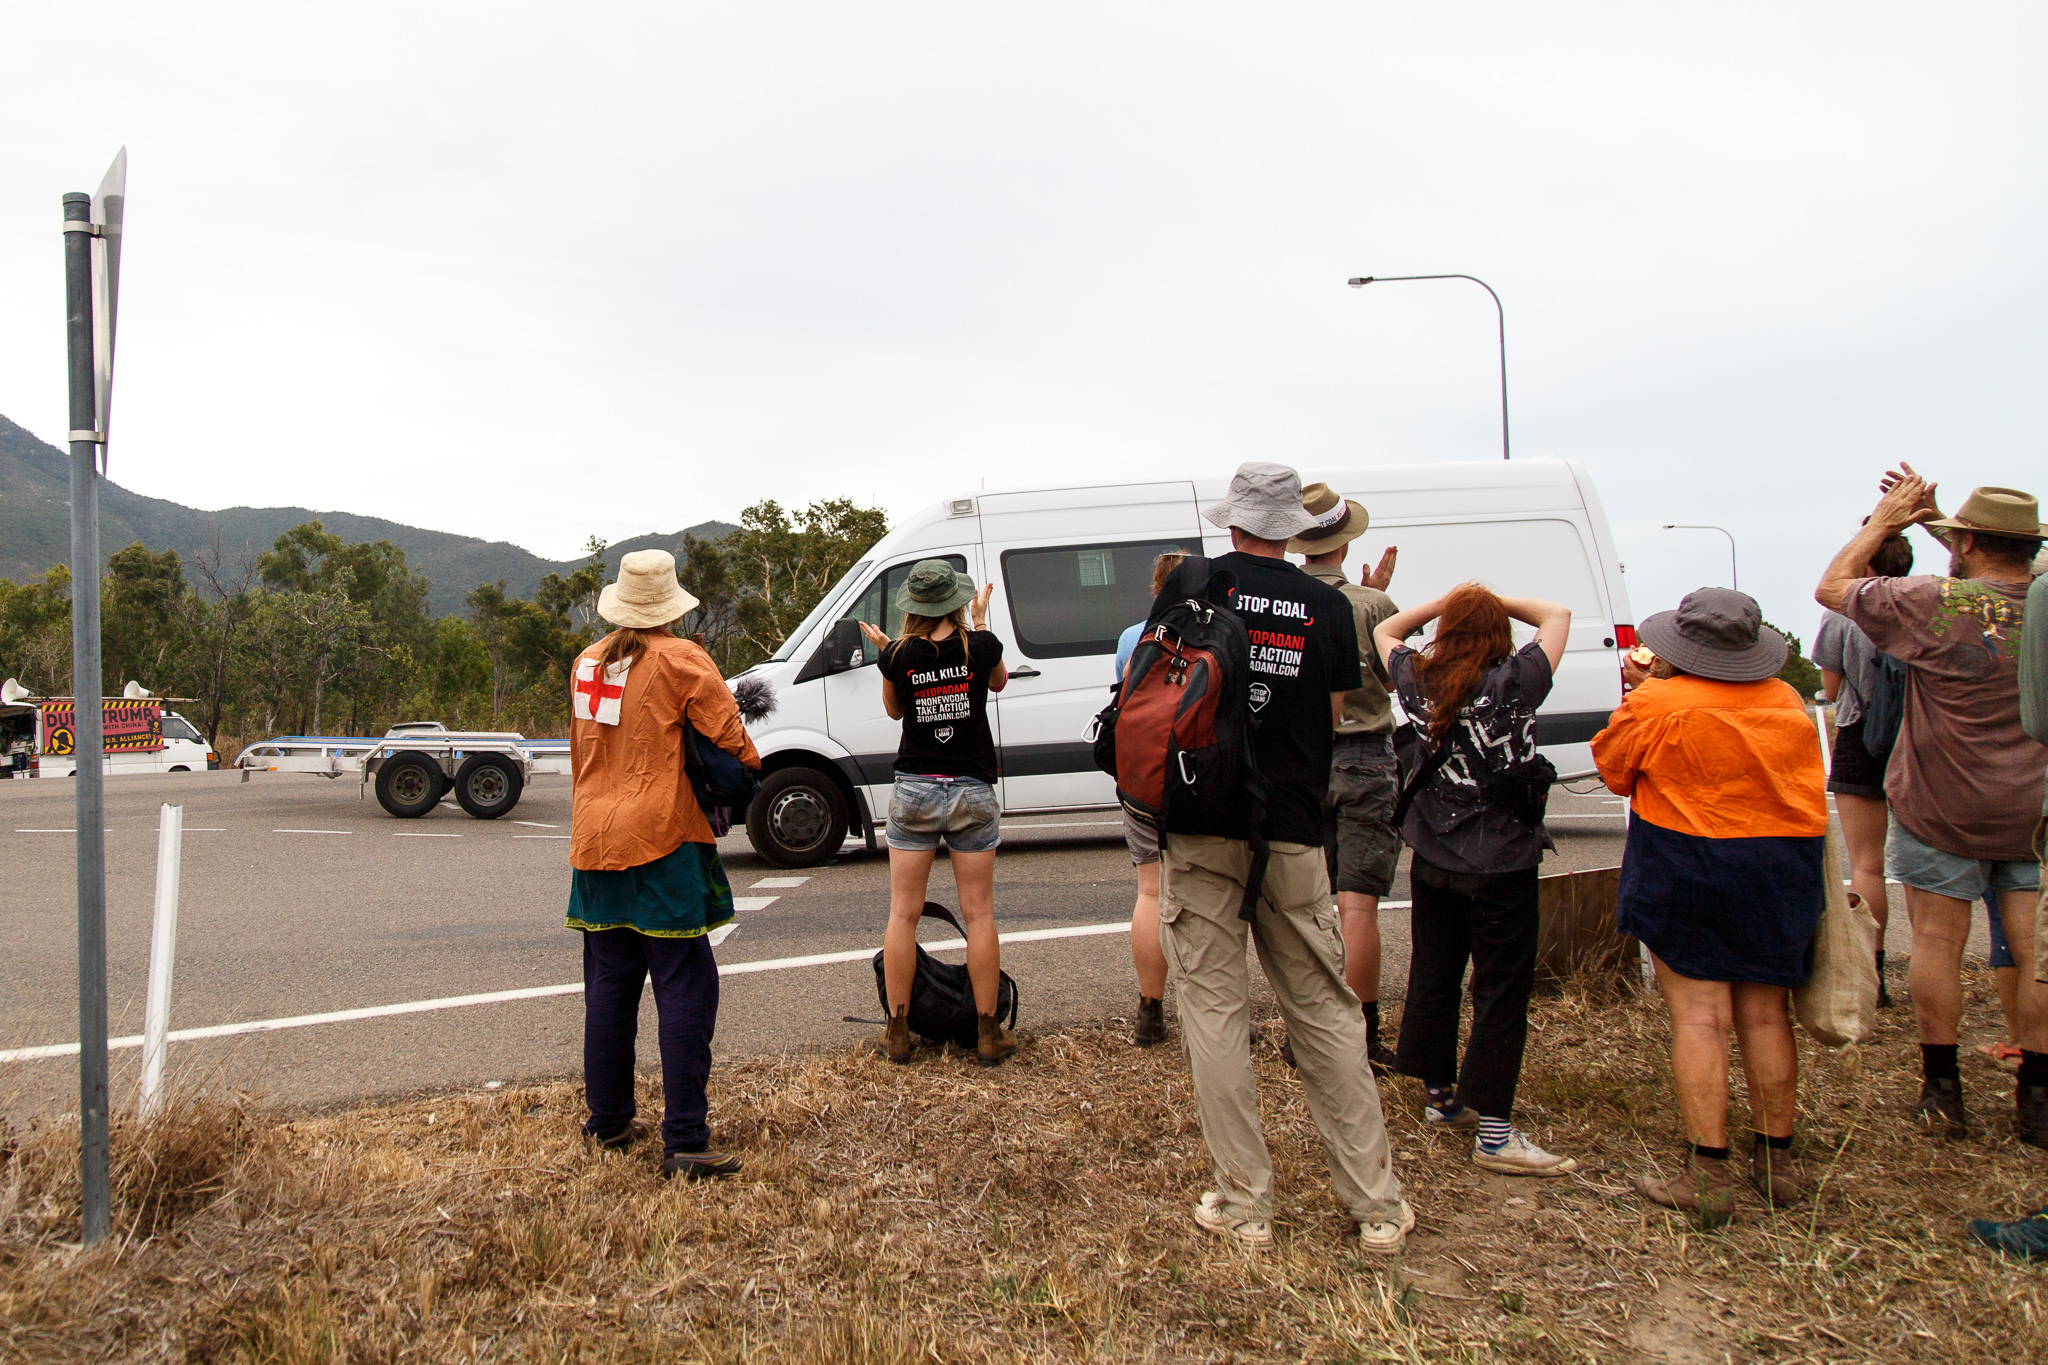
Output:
x=1247 y=1232
x=1385 y=1239
x=1519 y=1156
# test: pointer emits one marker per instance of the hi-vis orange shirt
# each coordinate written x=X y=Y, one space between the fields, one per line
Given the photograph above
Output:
x=1717 y=760
x=633 y=802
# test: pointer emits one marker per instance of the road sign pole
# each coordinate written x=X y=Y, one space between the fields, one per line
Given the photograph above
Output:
x=87 y=746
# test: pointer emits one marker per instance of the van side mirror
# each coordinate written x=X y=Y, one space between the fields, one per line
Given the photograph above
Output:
x=843 y=650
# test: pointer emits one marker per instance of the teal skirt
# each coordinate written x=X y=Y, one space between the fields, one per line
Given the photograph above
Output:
x=679 y=895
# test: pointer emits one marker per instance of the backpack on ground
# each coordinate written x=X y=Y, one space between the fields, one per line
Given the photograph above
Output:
x=941 y=995
x=1885 y=708
x=1179 y=734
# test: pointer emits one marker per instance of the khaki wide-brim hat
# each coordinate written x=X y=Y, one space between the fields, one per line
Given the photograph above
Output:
x=1998 y=512
x=1264 y=500
x=647 y=595
x=1339 y=521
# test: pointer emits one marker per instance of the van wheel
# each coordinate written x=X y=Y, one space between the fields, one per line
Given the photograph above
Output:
x=488 y=785
x=180 y=768
x=409 y=785
x=798 y=818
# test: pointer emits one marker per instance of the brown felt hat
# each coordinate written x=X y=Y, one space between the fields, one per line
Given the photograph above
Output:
x=1998 y=512
x=1339 y=521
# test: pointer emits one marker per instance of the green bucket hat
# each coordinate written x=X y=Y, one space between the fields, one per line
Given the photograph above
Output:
x=934 y=589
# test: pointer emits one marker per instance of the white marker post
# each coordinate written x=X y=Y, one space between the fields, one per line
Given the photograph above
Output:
x=163 y=952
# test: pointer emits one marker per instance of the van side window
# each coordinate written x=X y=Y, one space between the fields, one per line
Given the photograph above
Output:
x=175 y=727
x=1076 y=599
x=876 y=604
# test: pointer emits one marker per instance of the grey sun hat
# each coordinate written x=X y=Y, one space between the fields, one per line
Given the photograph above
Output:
x=1264 y=500
x=1717 y=633
x=934 y=589
x=647 y=595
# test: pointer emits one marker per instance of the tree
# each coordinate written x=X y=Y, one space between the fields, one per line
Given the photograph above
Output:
x=140 y=599
x=213 y=629
x=780 y=566
x=1799 y=670
x=35 y=631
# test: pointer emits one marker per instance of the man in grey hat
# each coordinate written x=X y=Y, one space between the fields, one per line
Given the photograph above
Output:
x=1965 y=781
x=1304 y=658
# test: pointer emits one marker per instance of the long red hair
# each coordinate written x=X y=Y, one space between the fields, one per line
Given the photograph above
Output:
x=1472 y=634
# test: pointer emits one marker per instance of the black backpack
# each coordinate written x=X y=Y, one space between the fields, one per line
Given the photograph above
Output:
x=942 y=998
x=1884 y=710
x=721 y=783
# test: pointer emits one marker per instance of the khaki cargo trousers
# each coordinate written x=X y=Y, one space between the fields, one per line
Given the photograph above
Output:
x=1201 y=883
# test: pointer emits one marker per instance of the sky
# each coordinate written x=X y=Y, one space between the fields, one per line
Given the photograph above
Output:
x=536 y=272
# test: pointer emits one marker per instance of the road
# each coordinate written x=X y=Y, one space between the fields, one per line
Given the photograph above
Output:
x=300 y=898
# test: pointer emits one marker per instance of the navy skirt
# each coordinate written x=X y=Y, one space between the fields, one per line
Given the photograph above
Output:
x=1723 y=909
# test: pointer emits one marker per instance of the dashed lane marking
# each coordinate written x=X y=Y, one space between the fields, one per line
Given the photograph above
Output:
x=424 y=834
x=753 y=902
x=784 y=882
x=312 y=831
x=451 y=1002
x=535 y=824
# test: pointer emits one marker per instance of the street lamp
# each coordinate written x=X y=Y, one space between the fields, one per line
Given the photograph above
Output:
x=1733 y=582
x=1500 y=315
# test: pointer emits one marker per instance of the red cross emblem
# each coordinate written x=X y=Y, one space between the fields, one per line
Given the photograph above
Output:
x=594 y=696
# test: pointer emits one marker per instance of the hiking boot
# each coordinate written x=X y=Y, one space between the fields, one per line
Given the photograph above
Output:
x=704 y=1165
x=995 y=1044
x=1380 y=1056
x=1385 y=1239
x=1151 y=1027
x=1705 y=1187
x=1519 y=1156
x=634 y=1131
x=2030 y=1123
x=894 y=1042
x=2025 y=1237
x=1457 y=1118
x=1941 y=1107
x=1776 y=1174
x=1255 y=1233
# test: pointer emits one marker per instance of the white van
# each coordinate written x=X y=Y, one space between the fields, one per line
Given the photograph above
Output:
x=1073 y=567
x=35 y=737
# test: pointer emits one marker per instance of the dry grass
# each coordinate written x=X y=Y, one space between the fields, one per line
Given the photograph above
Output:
x=943 y=1213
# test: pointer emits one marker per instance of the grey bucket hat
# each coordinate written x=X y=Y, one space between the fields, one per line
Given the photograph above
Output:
x=1264 y=500
x=934 y=589
x=1717 y=633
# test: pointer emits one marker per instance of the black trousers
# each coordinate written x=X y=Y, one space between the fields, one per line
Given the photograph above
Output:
x=685 y=975
x=1490 y=920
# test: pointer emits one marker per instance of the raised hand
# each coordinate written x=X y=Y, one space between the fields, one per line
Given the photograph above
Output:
x=1892 y=478
x=874 y=635
x=977 y=610
x=1380 y=577
x=1908 y=499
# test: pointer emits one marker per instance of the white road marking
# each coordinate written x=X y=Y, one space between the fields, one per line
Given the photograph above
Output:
x=451 y=1002
x=46 y=831
x=535 y=824
x=312 y=831
x=779 y=881
x=423 y=834
x=753 y=902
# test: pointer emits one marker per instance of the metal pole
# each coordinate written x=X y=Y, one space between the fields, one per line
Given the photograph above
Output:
x=1500 y=315
x=87 y=746
x=163 y=955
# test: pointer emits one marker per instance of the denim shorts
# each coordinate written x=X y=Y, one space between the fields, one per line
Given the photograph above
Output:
x=1908 y=860
x=961 y=811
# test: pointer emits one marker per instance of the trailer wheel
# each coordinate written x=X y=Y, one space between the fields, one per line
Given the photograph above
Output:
x=409 y=785
x=488 y=785
x=798 y=818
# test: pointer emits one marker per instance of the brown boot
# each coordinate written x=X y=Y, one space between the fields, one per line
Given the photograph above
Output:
x=1151 y=1026
x=996 y=1042
x=1776 y=1174
x=895 y=1040
x=1706 y=1186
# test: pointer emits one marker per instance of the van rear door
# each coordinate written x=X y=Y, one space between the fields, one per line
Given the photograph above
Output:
x=1073 y=569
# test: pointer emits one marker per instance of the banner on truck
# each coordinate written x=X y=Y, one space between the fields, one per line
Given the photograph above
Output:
x=129 y=727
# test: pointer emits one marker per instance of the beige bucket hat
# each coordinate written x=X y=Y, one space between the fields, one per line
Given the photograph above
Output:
x=1998 y=512
x=1339 y=521
x=647 y=595
x=1264 y=500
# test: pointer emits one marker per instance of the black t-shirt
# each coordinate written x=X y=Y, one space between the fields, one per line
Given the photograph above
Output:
x=943 y=690
x=1304 y=647
x=1452 y=822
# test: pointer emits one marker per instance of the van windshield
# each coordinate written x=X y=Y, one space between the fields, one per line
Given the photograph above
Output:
x=821 y=612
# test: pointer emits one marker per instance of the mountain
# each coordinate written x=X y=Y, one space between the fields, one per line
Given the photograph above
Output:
x=35 y=529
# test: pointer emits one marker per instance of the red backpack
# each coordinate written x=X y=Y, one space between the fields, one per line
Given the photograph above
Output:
x=1178 y=738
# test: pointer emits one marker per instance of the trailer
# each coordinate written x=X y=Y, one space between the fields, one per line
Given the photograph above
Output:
x=414 y=766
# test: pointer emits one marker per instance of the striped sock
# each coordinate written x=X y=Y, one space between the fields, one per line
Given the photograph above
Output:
x=1493 y=1133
